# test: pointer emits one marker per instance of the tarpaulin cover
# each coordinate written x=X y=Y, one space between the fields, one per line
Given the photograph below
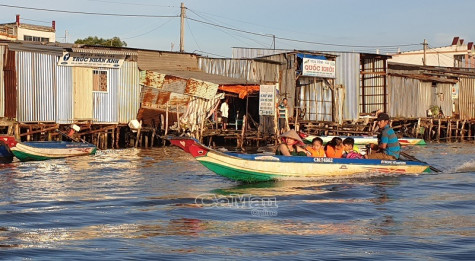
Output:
x=242 y=90
x=319 y=57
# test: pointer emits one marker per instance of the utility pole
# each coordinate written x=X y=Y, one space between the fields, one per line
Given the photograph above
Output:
x=182 y=28
x=424 y=60
x=273 y=37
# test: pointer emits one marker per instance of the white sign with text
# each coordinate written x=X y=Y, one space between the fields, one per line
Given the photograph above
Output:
x=267 y=100
x=318 y=68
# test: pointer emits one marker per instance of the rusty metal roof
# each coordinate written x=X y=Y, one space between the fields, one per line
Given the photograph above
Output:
x=104 y=50
x=213 y=78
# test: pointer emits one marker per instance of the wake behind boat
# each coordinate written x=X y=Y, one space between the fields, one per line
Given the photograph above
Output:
x=257 y=167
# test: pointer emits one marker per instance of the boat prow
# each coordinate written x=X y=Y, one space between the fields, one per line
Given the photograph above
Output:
x=258 y=167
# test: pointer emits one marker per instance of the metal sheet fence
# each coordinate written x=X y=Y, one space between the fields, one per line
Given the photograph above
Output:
x=467 y=98
x=128 y=92
x=105 y=103
x=64 y=94
x=316 y=99
x=408 y=97
x=36 y=87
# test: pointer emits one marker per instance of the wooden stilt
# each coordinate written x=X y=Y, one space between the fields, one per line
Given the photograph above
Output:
x=438 y=130
x=457 y=130
x=146 y=141
x=117 y=137
x=153 y=137
x=138 y=135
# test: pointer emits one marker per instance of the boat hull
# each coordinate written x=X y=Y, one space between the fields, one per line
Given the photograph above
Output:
x=256 y=168
x=365 y=140
x=27 y=151
x=6 y=156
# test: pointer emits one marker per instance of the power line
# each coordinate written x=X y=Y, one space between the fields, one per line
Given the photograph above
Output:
x=135 y=4
x=229 y=33
x=192 y=35
x=161 y=25
x=88 y=13
x=39 y=21
x=301 y=41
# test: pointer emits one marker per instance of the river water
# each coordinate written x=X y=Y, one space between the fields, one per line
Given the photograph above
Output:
x=161 y=204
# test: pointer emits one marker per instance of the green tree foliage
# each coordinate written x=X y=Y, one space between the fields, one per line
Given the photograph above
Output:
x=115 y=41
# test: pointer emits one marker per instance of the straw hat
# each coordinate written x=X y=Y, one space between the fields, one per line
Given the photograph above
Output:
x=293 y=135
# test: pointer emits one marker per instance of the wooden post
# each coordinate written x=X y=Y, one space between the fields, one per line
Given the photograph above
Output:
x=17 y=131
x=146 y=140
x=449 y=129
x=438 y=130
x=153 y=137
x=243 y=131
x=117 y=137
x=178 y=118
x=457 y=130
x=28 y=137
x=166 y=125
x=138 y=135
x=462 y=130
x=470 y=130
x=113 y=138
x=50 y=136
x=430 y=129
x=106 y=140
x=166 y=121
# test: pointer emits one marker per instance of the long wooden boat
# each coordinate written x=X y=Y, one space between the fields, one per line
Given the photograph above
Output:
x=44 y=150
x=364 y=140
x=256 y=168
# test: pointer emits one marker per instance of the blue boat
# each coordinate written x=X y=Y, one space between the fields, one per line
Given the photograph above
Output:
x=6 y=155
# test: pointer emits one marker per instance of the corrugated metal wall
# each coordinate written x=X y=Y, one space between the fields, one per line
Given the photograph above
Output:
x=2 y=84
x=442 y=97
x=82 y=87
x=408 y=97
x=64 y=94
x=348 y=74
x=250 y=70
x=467 y=98
x=316 y=98
x=106 y=103
x=36 y=87
x=129 y=92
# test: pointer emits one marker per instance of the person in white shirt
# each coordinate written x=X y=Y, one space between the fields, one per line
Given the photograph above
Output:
x=224 y=113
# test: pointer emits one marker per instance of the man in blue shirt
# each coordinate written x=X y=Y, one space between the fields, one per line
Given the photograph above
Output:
x=388 y=145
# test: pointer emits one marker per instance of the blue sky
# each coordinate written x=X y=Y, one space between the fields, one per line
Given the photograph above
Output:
x=359 y=25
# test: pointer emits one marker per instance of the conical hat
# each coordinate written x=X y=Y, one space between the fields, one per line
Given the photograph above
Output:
x=292 y=134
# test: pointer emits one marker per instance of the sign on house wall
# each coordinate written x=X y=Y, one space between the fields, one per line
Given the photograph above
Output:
x=91 y=60
x=318 y=68
x=267 y=100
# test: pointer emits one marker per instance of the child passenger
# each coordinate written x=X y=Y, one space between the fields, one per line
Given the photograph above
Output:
x=317 y=148
x=334 y=148
x=351 y=151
